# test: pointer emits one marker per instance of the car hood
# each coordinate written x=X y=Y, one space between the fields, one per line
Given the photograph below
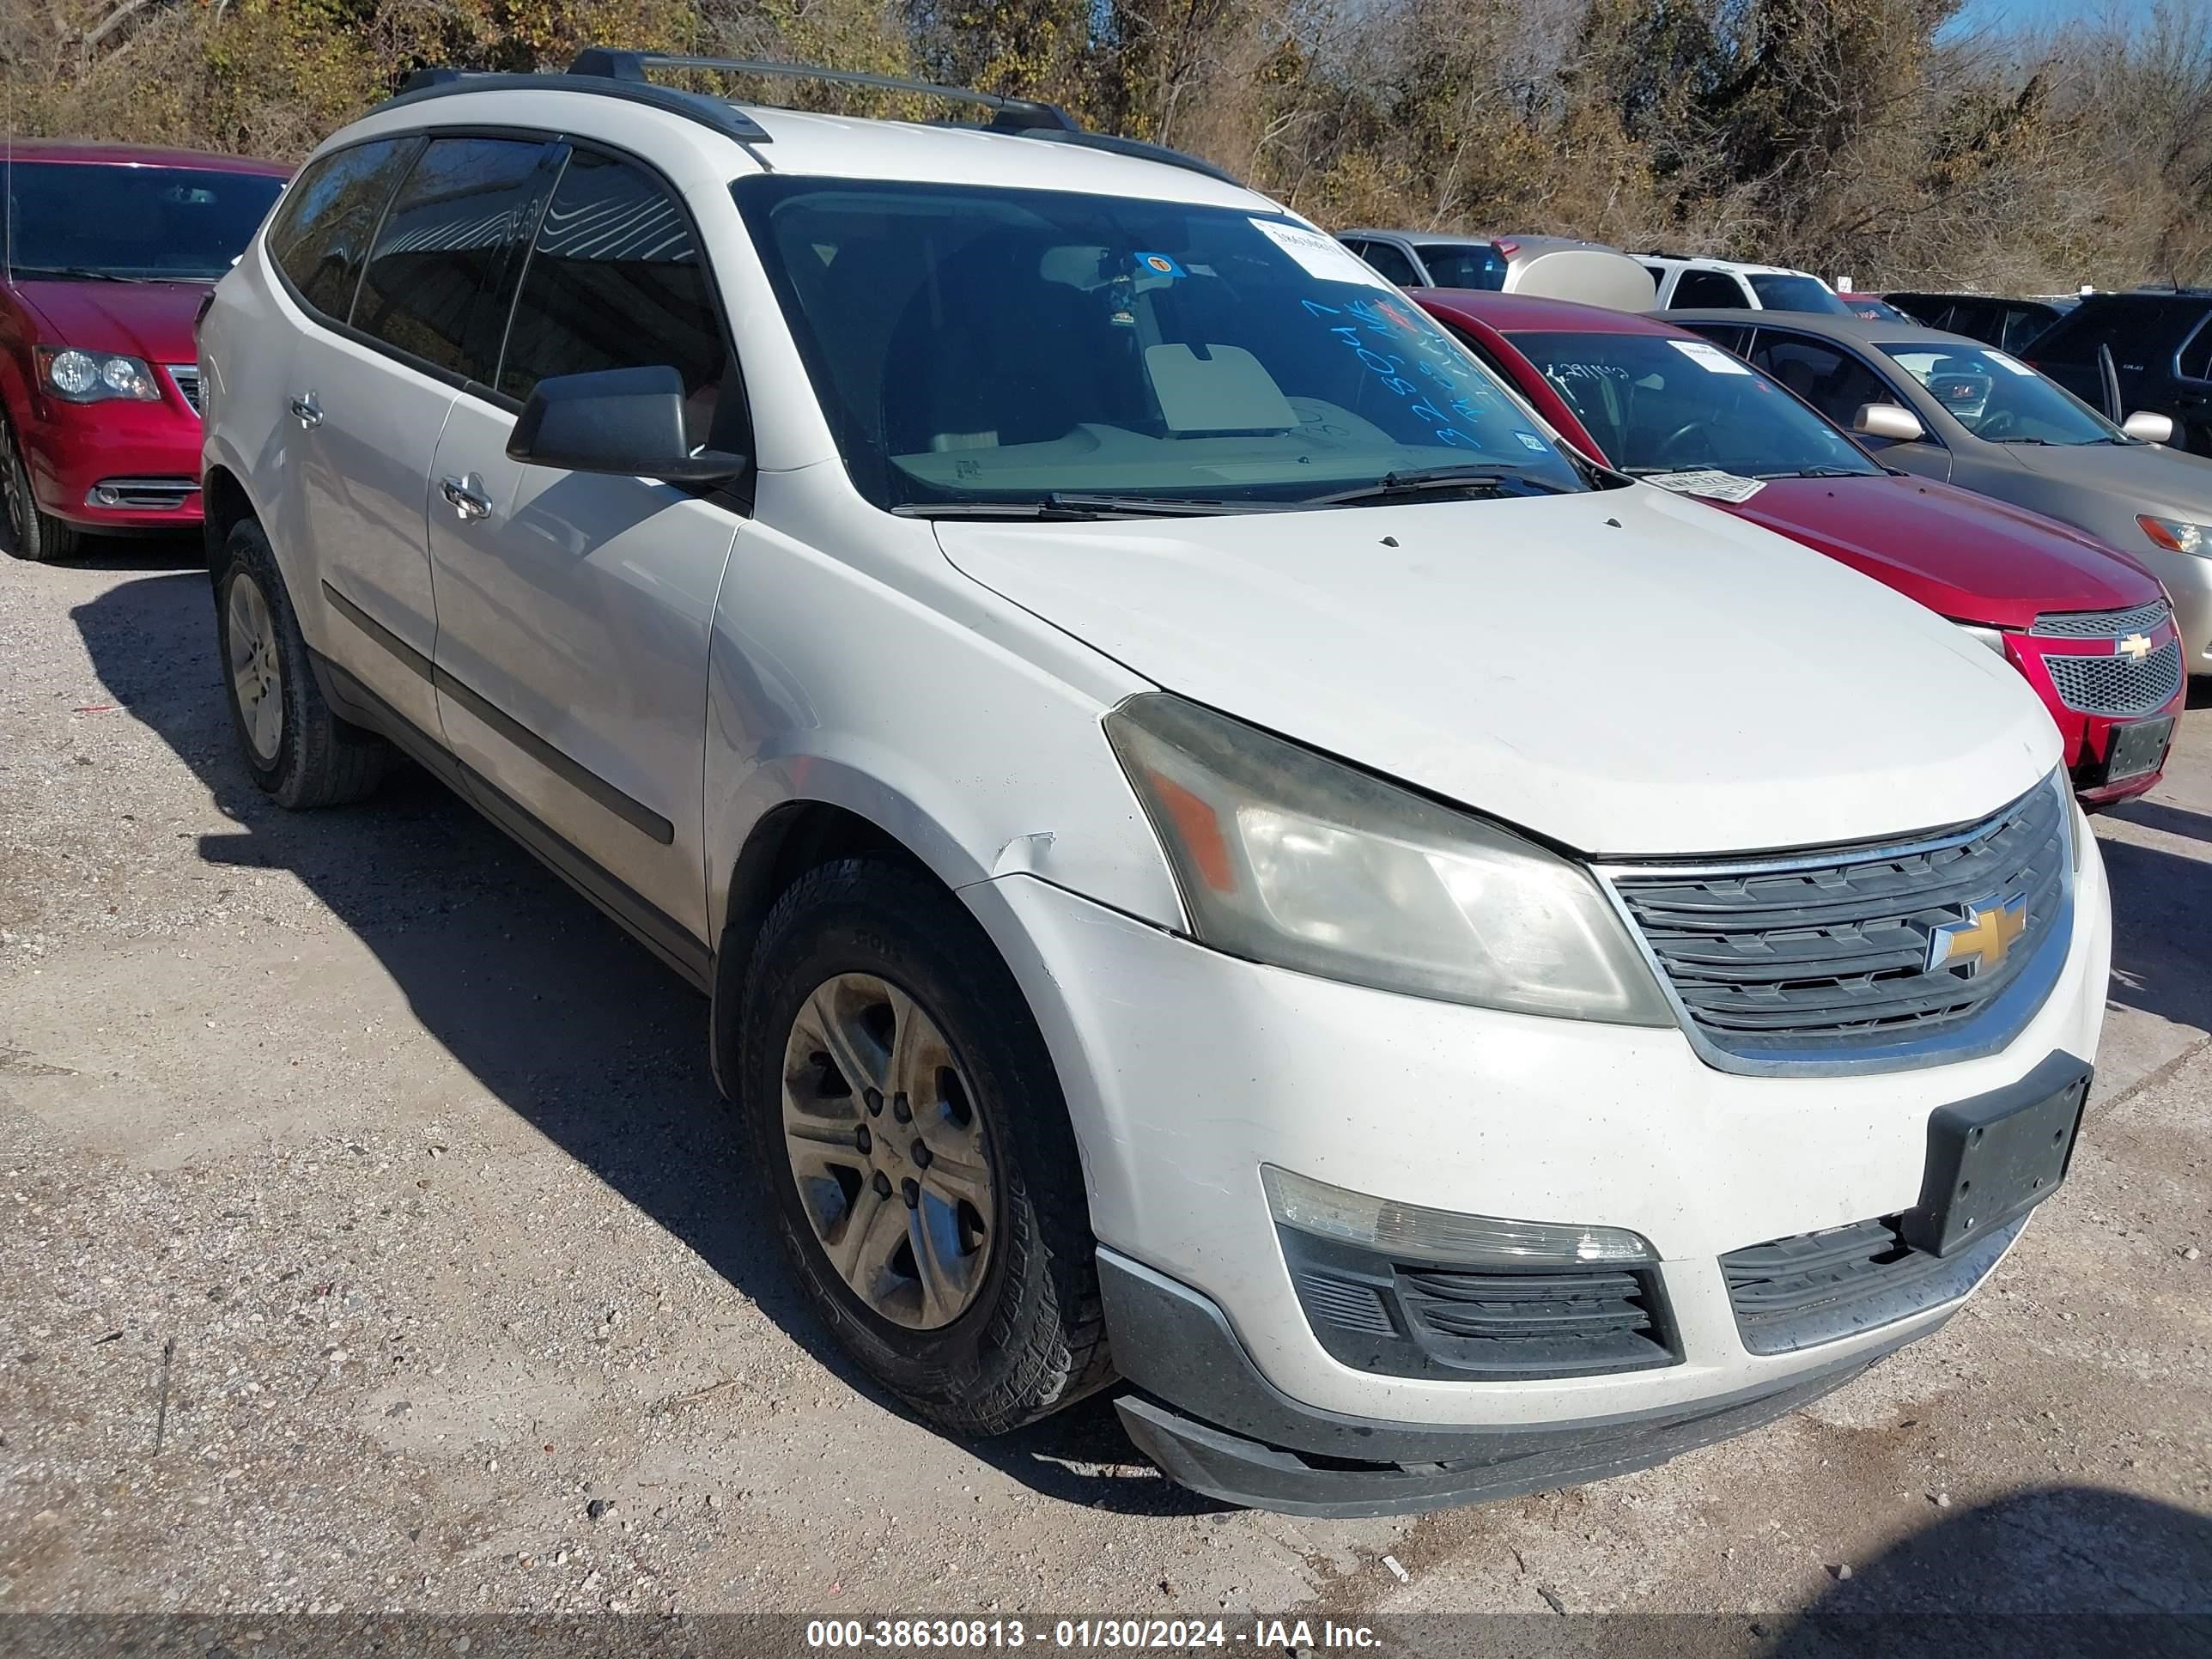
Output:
x=1961 y=555
x=152 y=321
x=1623 y=672
x=2150 y=478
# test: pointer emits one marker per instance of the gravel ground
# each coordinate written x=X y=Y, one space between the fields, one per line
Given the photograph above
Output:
x=371 y=1238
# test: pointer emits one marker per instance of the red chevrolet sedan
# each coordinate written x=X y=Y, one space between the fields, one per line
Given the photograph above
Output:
x=2076 y=617
x=110 y=250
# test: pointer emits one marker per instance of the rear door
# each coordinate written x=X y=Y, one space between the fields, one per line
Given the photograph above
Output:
x=371 y=398
x=353 y=445
x=2192 y=394
x=575 y=609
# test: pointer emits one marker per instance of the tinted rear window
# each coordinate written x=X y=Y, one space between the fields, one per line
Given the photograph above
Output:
x=1797 y=294
x=321 y=236
x=438 y=284
x=2143 y=330
x=1454 y=266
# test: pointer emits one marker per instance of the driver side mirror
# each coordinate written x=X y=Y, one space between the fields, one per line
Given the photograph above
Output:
x=2151 y=428
x=625 y=421
x=1892 y=421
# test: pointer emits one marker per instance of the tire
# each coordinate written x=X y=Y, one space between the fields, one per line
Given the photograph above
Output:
x=33 y=535
x=298 y=752
x=1029 y=1336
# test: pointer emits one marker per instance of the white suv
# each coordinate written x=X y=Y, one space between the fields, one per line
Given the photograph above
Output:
x=1687 y=284
x=1221 y=854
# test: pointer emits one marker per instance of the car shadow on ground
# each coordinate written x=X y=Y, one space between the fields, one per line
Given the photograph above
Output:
x=2069 y=1571
x=2161 y=917
x=553 y=1009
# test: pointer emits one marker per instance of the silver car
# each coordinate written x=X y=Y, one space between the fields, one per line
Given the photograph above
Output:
x=1948 y=407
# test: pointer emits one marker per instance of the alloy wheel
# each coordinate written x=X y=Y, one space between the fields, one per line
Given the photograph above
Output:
x=256 y=676
x=889 y=1152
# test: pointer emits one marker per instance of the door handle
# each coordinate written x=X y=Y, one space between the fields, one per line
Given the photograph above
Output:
x=308 y=411
x=466 y=494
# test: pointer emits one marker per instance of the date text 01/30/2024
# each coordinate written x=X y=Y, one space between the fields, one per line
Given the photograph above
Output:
x=1087 y=1635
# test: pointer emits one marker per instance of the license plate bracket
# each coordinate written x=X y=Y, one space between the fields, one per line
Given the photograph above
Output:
x=2137 y=748
x=1994 y=1158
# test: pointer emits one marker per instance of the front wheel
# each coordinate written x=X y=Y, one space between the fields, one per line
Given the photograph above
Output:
x=36 y=537
x=913 y=1145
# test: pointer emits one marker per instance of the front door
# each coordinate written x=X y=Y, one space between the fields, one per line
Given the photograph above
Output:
x=575 y=609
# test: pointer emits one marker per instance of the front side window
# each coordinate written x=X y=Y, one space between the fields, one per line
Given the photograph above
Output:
x=615 y=281
x=1781 y=292
x=437 y=284
x=320 y=238
x=1709 y=290
x=2001 y=398
x=973 y=344
x=1657 y=403
x=87 y=221
x=1832 y=380
x=1455 y=264
x=2196 y=360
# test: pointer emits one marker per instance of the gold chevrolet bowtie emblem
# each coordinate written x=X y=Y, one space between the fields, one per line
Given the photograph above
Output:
x=1984 y=940
x=2134 y=646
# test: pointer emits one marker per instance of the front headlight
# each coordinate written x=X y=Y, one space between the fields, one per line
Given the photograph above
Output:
x=2177 y=535
x=1288 y=858
x=92 y=377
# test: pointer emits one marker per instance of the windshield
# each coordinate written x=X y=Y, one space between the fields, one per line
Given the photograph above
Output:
x=90 y=220
x=1455 y=264
x=973 y=344
x=1656 y=404
x=1779 y=293
x=2001 y=398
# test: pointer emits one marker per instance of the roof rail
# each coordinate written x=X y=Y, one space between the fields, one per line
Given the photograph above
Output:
x=723 y=116
x=615 y=74
x=1008 y=114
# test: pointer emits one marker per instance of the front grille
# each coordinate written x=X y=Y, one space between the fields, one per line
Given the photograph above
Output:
x=1825 y=953
x=1797 y=1292
x=1417 y=1319
x=2100 y=624
x=2118 y=685
x=187 y=377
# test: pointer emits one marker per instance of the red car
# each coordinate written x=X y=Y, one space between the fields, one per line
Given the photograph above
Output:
x=2076 y=617
x=109 y=251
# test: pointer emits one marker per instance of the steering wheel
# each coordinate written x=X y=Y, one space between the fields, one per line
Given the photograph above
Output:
x=1682 y=435
x=1997 y=425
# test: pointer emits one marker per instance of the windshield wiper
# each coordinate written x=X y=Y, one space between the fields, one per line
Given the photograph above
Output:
x=78 y=273
x=1065 y=506
x=1427 y=480
x=1818 y=472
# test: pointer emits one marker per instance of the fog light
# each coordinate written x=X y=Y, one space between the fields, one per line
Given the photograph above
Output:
x=1417 y=1232
x=107 y=495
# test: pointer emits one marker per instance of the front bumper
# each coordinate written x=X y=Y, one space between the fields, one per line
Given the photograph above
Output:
x=73 y=450
x=1233 y=1436
x=1186 y=1071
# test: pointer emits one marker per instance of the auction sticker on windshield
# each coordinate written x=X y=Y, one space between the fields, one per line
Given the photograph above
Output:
x=1319 y=255
x=1709 y=357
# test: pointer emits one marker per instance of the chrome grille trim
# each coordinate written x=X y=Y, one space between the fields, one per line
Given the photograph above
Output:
x=2117 y=685
x=1912 y=1018
x=2100 y=624
x=186 y=378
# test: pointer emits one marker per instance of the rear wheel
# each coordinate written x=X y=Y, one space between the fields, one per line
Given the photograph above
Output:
x=914 y=1147
x=36 y=536
x=297 y=750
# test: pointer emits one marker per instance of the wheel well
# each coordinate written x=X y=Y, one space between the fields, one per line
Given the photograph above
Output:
x=784 y=846
x=223 y=505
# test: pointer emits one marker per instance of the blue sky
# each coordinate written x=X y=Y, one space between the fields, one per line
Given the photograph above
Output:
x=2037 y=13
